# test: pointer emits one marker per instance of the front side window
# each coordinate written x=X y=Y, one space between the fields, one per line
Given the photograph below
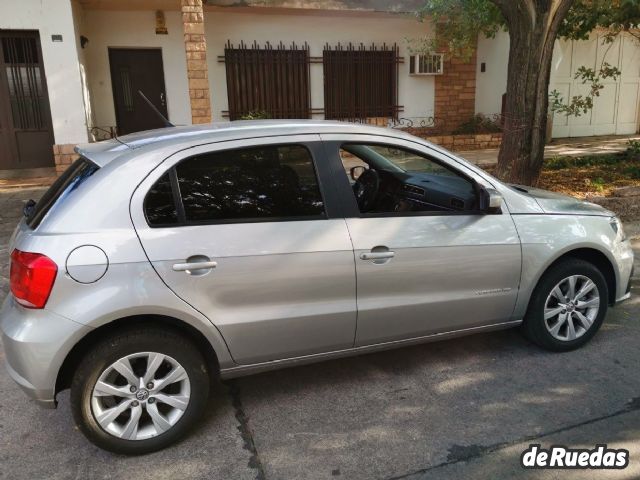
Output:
x=389 y=179
x=252 y=184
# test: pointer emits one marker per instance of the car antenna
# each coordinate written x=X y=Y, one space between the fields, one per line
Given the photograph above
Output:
x=166 y=122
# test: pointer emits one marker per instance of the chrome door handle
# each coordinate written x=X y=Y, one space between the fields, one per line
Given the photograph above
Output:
x=187 y=267
x=377 y=255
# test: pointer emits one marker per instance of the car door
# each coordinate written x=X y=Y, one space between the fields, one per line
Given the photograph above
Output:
x=422 y=273
x=245 y=232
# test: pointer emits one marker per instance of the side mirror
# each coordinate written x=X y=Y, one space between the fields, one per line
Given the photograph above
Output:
x=491 y=201
x=356 y=171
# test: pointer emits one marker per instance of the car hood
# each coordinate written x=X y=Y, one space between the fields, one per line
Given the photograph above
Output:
x=559 y=204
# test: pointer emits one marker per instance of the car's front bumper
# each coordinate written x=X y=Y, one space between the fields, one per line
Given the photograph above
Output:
x=627 y=293
x=624 y=259
x=36 y=342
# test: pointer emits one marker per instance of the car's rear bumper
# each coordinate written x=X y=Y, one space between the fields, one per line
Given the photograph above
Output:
x=36 y=343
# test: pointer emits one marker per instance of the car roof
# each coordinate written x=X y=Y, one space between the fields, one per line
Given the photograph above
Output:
x=103 y=152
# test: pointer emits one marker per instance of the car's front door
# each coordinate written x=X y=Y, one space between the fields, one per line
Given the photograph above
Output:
x=244 y=232
x=425 y=272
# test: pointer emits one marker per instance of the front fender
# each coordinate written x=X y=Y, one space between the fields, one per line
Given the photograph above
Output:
x=547 y=238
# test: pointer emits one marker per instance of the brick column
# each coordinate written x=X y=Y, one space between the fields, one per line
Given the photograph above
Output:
x=455 y=92
x=64 y=155
x=196 y=48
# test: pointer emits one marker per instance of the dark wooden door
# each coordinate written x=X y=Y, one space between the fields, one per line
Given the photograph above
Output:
x=26 y=134
x=133 y=70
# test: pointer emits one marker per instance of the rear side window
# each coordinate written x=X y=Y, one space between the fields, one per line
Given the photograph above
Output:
x=159 y=205
x=252 y=184
x=61 y=189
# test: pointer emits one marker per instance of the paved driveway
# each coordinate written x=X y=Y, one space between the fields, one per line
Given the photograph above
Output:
x=463 y=408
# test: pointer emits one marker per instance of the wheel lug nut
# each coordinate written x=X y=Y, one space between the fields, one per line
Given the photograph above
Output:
x=132 y=389
x=134 y=403
x=150 y=385
x=151 y=400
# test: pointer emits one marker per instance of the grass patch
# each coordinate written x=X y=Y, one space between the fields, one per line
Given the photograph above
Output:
x=560 y=163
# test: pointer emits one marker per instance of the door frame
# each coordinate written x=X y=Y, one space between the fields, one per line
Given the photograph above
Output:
x=111 y=77
x=181 y=152
x=7 y=117
x=343 y=191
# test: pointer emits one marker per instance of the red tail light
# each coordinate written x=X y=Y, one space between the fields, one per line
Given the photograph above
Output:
x=32 y=276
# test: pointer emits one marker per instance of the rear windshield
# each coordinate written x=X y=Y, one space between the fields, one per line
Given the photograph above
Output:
x=73 y=177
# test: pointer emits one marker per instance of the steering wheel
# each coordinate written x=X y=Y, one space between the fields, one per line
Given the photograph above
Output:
x=366 y=189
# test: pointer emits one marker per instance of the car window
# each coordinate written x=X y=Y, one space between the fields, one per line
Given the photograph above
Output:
x=61 y=189
x=398 y=180
x=252 y=184
x=159 y=205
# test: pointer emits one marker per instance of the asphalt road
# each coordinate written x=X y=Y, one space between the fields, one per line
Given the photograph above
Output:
x=463 y=408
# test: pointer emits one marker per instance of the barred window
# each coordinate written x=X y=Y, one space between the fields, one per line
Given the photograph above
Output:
x=268 y=81
x=360 y=82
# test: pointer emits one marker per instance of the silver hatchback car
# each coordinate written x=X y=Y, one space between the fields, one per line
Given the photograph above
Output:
x=162 y=260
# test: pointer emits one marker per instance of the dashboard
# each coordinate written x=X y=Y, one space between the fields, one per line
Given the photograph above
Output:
x=417 y=191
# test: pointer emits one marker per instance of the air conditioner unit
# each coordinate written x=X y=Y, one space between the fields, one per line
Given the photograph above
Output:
x=426 y=64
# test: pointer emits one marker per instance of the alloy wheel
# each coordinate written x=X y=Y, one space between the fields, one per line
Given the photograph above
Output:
x=571 y=308
x=140 y=396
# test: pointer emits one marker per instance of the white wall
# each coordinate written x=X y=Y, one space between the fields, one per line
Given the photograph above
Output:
x=60 y=60
x=416 y=94
x=490 y=85
x=79 y=28
x=135 y=29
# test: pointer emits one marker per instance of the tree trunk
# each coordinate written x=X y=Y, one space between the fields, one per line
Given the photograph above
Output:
x=533 y=29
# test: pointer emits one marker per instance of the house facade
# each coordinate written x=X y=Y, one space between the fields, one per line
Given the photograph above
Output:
x=72 y=71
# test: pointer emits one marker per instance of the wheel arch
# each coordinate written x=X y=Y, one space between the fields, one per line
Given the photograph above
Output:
x=589 y=254
x=80 y=349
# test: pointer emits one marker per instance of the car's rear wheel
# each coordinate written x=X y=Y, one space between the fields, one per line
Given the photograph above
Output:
x=139 y=390
x=568 y=306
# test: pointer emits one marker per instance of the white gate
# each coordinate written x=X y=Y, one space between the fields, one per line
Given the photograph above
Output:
x=615 y=111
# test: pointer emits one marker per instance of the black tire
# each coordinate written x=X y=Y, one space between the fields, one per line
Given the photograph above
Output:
x=119 y=345
x=534 y=327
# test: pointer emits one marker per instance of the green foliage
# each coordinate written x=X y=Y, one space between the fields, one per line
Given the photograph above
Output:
x=586 y=15
x=459 y=23
x=598 y=183
x=256 y=115
x=582 y=104
x=557 y=163
x=560 y=163
x=633 y=149
x=633 y=172
x=478 y=124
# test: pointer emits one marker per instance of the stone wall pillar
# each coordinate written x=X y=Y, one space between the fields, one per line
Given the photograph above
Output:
x=64 y=155
x=455 y=92
x=196 y=48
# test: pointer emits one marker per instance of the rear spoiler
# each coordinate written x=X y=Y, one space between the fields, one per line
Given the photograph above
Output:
x=103 y=152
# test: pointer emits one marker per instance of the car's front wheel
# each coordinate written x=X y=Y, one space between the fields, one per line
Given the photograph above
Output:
x=568 y=306
x=139 y=390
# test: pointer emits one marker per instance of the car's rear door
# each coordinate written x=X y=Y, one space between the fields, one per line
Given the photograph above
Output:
x=423 y=273
x=245 y=232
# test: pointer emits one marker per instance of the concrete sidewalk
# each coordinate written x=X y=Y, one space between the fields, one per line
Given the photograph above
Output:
x=570 y=147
